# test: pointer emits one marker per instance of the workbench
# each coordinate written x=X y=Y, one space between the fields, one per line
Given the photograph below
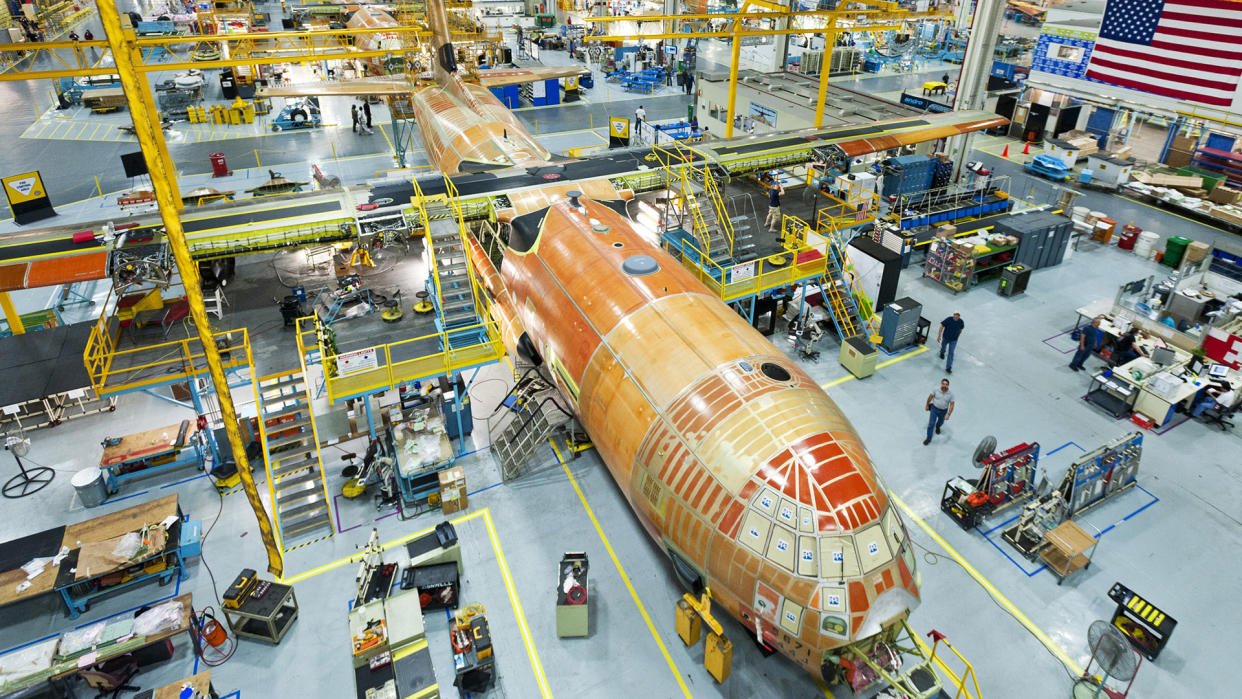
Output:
x=78 y=588
x=423 y=449
x=201 y=683
x=146 y=453
x=57 y=672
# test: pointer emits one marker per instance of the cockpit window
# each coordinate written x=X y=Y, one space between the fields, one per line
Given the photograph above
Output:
x=837 y=557
x=873 y=549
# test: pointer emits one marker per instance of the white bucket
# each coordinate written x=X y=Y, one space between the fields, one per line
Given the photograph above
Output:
x=1095 y=216
x=1081 y=213
x=1146 y=241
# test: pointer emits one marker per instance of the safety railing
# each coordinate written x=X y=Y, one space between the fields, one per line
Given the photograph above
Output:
x=415 y=359
x=459 y=212
x=249 y=242
x=957 y=681
x=678 y=165
x=113 y=370
x=827 y=225
x=857 y=207
x=745 y=279
x=432 y=266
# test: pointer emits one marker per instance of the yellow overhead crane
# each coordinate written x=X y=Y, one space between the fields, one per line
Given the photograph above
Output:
x=873 y=15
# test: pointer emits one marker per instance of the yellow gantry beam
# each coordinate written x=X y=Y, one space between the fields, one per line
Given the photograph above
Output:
x=324 y=45
x=151 y=140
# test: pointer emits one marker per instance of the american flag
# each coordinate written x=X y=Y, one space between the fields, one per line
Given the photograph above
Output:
x=1183 y=49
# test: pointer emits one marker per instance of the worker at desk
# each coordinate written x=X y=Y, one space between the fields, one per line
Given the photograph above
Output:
x=1126 y=349
x=1221 y=395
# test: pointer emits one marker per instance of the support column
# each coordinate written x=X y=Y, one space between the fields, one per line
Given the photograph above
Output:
x=11 y=314
x=151 y=140
x=737 y=49
x=830 y=42
x=972 y=84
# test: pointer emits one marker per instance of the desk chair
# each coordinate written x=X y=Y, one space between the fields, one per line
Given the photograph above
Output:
x=1219 y=416
x=112 y=677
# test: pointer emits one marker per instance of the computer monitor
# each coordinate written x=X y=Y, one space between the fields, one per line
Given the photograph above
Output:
x=1219 y=371
x=1162 y=355
x=1197 y=365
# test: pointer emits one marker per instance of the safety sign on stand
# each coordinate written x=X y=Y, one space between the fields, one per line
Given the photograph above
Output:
x=618 y=132
x=355 y=362
x=742 y=272
x=27 y=197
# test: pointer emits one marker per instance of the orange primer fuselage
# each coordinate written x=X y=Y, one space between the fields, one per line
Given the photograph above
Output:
x=464 y=122
x=734 y=460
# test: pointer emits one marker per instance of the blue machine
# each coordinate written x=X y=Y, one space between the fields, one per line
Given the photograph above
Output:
x=507 y=94
x=1050 y=167
x=156 y=27
x=302 y=114
x=72 y=91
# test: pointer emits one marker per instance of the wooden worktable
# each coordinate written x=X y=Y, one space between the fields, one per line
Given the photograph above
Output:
x=200 y=682
x=156 y=441
x=93 y=530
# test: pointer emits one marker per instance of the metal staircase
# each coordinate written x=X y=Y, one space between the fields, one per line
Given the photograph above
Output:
x=522 y=425
x=855 y=307
x=291 y=450
x=450 y=282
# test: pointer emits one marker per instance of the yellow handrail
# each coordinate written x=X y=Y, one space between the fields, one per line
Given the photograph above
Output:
x=451 y=190
x=430 y=247
x=959 y=681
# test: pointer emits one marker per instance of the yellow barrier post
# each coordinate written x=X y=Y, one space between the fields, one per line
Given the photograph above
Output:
x=151 y=139
x=11 y=315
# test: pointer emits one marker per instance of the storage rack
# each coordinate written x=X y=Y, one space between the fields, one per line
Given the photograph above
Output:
x=952 y=265
x=1224 y=162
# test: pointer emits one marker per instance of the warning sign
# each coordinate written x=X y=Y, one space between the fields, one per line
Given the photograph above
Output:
x=354 y=362
x=27 y=197
x=23 y=188
x=618 y=132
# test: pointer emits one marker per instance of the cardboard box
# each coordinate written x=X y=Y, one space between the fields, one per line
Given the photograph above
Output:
x=452 y=490
x=1196 y=251
x=1230 y=214
x=1224 y=195
x=947 y=230
x=1178 y=181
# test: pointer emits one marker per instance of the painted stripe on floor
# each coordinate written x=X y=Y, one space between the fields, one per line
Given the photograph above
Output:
x=519 y=615
x=881 y=365
x=991 y=590
x=621 y=569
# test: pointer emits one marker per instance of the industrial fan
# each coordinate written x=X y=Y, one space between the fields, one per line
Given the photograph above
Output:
x=1115 y=660
x=29 y=480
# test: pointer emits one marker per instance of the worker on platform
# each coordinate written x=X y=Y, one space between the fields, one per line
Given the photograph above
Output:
x=775 y=190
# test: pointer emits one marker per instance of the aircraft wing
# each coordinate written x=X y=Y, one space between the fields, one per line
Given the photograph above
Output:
x=515 y=76
x=359 y=87
x=751 y=153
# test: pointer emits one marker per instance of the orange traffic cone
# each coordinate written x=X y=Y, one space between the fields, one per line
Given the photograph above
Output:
x=1005 y=153
x=1026 y=150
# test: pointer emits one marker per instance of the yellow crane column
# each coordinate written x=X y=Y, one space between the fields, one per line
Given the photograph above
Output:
x=151 y=140
x=737 y=49
x=830 y=42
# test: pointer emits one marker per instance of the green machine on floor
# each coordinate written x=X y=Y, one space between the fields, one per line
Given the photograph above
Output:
x=572 y=616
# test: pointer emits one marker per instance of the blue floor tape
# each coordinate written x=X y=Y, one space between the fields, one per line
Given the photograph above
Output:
x=1031 y=573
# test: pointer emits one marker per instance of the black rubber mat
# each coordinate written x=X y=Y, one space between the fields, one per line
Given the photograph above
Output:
x=241 y=219
x=43 y=362
x=14 y=554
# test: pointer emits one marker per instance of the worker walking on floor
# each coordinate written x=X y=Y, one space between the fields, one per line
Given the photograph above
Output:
x=353 y=111
x=1088 y=342
x=639 y=115
x=775 y=190
x=950 y=329
x=939 y=408
x=366 y=112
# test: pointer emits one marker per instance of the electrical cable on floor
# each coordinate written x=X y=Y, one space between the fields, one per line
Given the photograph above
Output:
x=931 y=558
x=202 y=618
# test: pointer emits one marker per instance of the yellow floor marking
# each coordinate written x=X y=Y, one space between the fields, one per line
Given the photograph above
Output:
x=824 y=688
x=485 y=513
x=1001 y=599
x=386 y=138
x=881 y=365
x=621 y=569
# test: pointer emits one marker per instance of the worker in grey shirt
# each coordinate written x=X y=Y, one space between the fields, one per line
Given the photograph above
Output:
x=939 y=407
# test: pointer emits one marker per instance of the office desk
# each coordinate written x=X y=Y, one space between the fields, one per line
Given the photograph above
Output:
x=1098 y=307
x=78 y=588
x=68 y=668
x=146 y=453
x=201 y=683
x=1159 y=407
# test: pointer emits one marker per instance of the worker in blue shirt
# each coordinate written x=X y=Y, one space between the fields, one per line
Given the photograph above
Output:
x=775 y=190
x=1088 y=342
x=950 y=329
